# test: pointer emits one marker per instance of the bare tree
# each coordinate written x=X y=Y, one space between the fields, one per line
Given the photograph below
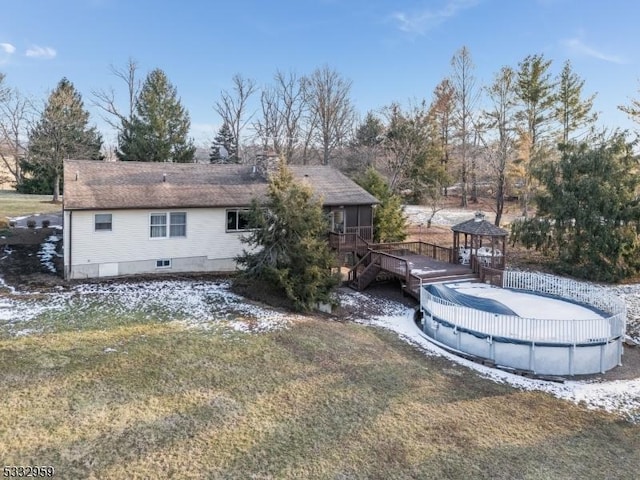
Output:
x=105 y=100
x=283 y=107
x=232 y=106
x=16 y=115
x=330 y=104
x=466 y=98
x=501 y=119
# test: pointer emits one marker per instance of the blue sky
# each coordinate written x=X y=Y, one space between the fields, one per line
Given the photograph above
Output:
x=390 y=50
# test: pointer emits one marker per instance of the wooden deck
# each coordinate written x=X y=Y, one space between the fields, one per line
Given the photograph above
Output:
x=413 y=263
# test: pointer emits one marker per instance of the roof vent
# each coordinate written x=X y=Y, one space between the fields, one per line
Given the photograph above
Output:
x=479 y=216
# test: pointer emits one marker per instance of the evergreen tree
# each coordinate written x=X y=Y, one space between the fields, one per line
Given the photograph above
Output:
x=158 y=130
x=535 y=92
x=223 y=149
x=367 y=142
x=632 y=110
x=288 y=246
x=369 y=132
x=63 y=132
x=571 y=110
x=442 y=110
x=589 y=212
x=389 y=222
x=413 y=155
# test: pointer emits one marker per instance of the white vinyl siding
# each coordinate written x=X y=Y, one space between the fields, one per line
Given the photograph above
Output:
x=130 y=241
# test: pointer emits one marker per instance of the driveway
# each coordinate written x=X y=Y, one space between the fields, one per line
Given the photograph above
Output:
x=55 y=219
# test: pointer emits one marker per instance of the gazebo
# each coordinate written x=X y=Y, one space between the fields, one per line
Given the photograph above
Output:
x=484 y=243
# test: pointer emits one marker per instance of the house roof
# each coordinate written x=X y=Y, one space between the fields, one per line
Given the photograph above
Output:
x=92 y=185
x=479 y=226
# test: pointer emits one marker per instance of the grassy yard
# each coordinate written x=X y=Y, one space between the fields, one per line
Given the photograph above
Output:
x=14 y=204
x=145 y=396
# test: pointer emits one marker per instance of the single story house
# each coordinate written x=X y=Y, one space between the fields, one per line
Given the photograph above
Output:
x=123 y=218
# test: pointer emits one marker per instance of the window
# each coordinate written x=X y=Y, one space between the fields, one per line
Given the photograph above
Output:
x=163 y=263
x=237 y=220
x=177 y=225
x=158 y=225
x=103 y=221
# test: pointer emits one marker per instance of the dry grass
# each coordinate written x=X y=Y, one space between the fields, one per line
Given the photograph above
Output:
x=320 y=400
x=14 y=204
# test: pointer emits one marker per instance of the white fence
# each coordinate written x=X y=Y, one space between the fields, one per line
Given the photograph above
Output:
x=561 y=331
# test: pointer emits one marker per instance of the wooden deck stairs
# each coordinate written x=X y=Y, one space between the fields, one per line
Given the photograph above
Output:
x=412 y=263
x=367 y=276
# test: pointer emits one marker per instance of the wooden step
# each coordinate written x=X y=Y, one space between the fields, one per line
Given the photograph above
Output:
x=368 y=275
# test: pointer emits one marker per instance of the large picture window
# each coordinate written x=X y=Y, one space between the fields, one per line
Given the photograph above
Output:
x=237 y=220
x=103 y=222
x=177 y=225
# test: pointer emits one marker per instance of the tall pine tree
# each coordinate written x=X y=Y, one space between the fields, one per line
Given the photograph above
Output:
x=224 y=147
x=287 y=244
x=389 y=221
x=535 y=92
x=158 y=132
x=571 y=110
x=63 y=132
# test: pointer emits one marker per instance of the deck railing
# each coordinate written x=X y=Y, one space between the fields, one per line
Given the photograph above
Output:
x=430 y=250
x=366 y=233
x=478 y=262
x=390 y=263
x=561 y=331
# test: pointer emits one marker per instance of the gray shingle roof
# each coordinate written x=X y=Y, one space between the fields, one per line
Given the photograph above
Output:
x=480 y=227
x=117 y=185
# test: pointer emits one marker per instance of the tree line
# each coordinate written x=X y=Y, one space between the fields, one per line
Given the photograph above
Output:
x=463 y=138
x=527 y=135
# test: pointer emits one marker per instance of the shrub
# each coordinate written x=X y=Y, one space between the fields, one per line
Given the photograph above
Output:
x=31 y=224
x=46 y=223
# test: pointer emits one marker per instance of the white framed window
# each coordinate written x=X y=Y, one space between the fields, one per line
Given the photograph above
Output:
x=163 y=263
x=178 y=224
x=103 y=222
x=158 y=225
x=168 y=224
x=237 y=220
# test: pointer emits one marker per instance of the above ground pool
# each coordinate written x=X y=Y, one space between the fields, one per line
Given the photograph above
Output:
x=534 y=322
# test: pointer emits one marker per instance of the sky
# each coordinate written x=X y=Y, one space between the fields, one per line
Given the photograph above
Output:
x=391 y=51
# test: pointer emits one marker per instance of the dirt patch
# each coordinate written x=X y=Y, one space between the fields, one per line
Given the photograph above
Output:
x=21 y=262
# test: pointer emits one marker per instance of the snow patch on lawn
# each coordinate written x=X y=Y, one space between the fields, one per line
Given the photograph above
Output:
x=192 y=303
x=48 y=252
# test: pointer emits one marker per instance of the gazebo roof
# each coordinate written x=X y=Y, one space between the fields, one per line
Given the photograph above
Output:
x=479 y=226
